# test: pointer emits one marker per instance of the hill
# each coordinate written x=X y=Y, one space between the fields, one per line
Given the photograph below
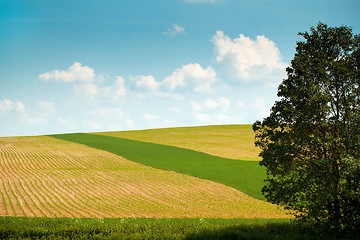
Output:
x=227 y=141
x=47 y=177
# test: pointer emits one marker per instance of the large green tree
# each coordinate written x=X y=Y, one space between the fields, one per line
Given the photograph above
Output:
x=311 y=140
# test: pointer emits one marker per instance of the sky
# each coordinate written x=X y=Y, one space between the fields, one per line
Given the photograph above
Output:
x=114 y=65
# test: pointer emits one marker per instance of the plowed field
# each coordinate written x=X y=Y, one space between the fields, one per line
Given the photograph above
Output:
x=47 y=177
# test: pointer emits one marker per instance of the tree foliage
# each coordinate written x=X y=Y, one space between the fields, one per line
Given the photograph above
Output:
x=311 y=140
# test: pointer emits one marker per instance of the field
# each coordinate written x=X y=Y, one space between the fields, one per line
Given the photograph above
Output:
x=121 y=185
x=269 y=229
x=227 y=141
x=247 y=176
x=47 y=177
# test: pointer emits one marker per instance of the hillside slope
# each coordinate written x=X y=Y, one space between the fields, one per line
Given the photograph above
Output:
x=227 y=141
x=247 y=176
x=47 y=177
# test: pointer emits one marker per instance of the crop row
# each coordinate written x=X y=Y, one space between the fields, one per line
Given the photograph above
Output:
x=47 y=177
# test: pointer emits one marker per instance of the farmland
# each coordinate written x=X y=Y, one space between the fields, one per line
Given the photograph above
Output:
x=47 y=177
x=227 y=141
x=246 y=176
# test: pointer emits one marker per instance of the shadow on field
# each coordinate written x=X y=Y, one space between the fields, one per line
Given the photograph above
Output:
x=265 y=231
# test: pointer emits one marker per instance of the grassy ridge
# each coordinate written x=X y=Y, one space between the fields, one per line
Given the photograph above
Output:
x=227 y=141
x=44 y=228
x=247 y=176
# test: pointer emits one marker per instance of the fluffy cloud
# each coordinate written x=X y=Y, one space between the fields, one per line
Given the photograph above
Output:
x=92 y=92
x=248 y=59
x=68 y=123
x=39 y=115
x=147 y=83
x=174 y=30
x=202 y=117
x=196 y=107
x=215 y=118
x=119 y=88
x=75 y=73
x=47 y=107
x=86 y=90
x=7 y=105
x=213 y=111
x=220 y=104
x=112 y=118
x=192 y=75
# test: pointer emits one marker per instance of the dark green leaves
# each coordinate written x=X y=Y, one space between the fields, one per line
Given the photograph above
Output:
x=310 y=141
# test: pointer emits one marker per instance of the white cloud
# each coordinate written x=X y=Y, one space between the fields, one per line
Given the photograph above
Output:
x=261 y=107
x=119 y=87
x=87 y=91
x=92 y=92
x=174 y=30
x=111 y=119
x=47 y=107
x=192 y=75
x=68 y=123
x=147 y=83
x=40 y=115
x=75 y=73
x=221 y=103
x=129 y=124
x=19 y=107
x=202 y=117
x=248 y=59
x=196 y=107
x=241 y=104
x=150 y=117
x=7 y=105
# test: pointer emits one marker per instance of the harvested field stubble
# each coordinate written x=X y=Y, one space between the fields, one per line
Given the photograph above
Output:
x=46 y=177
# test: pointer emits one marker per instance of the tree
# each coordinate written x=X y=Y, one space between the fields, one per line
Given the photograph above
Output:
x=310 y=143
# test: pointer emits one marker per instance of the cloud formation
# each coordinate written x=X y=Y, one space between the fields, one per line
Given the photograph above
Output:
x=87 y=91
x=75 y=73
x=147 y=83
x=249 y=60
x=220 y=104
x=47 y=107
x=174 y=30
x=7 y=105
x=192 y=75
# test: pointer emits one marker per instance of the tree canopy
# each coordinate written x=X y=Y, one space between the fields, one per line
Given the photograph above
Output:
x=310 y=143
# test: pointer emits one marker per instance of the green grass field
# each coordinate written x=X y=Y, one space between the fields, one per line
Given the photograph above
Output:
x=269 y=229
x=247 y=176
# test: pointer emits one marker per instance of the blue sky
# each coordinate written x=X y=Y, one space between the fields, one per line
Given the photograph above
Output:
x=83 y=66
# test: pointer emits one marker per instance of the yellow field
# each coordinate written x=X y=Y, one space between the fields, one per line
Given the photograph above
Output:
x=47 y=177
x=228 y=141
